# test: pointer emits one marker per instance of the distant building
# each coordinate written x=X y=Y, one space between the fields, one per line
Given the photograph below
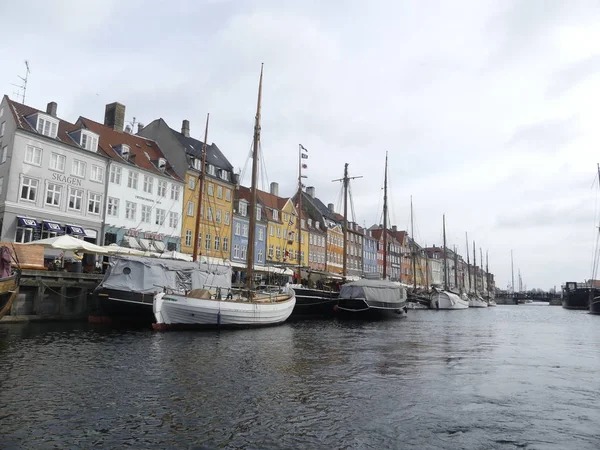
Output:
x=369 y=253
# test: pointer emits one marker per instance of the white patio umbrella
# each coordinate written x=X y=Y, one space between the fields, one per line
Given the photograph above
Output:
x=114 y=249
x=66 y=242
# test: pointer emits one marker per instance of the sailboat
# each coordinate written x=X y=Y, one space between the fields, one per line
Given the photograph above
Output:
x=203 y=307
x=476 y=300
x=444 y=299
x=314 y=302
x=417 y=299
x=9 y=281
x=374 y=299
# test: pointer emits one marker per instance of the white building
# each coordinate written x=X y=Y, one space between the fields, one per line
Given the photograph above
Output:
x=52 y=177
x=144 y=195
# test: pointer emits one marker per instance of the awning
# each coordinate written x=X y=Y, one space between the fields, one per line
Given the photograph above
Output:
x=77 y=230
x=131 y=242
x=53 y=226
x=159 y=245
x=27 y=222
x=145 y=243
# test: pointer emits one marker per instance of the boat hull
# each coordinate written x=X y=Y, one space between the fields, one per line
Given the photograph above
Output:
x=123 y=307
x=314 y=302
x=447 y=301
x=595 y=305
x=476 y=302
x=576 y=299
x=173 y=311
x=9 y=289
x=361 y=309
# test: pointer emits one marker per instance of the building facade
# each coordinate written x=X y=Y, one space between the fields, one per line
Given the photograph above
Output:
x=52 y=176
x=317 y=240
x=144 y=195
x=240 y=233
x=370 y=253
x=216 y=210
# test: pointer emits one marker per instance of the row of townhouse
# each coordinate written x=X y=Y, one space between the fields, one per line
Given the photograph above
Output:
x=101 y=182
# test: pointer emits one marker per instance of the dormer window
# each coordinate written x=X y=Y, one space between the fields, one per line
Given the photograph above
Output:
x=224 y=175
x=89 y=141
x=123 y=150
x=258 y=212
x=310 y=222
x=317 y=224
x=210 y=169
x=46 y=125
x=275 y=214
x=243 y=209
x=196 y=163
x=162 y=164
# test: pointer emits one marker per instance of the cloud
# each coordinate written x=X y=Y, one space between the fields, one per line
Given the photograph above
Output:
x=574 y=75
x=547 y=136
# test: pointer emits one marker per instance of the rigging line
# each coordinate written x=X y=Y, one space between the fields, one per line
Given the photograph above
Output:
x=263 y=165
x=351 y=202
x=248 y=159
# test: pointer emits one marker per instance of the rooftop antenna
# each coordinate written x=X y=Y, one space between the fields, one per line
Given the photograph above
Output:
x=22 y=88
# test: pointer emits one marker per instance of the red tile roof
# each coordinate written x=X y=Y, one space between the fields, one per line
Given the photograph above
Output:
x=139 y=147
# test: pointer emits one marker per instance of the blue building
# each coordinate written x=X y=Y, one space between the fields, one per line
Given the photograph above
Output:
x=369 y=253
x=240 y=232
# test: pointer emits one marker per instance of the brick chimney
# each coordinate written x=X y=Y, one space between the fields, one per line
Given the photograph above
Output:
x=185 y=128
x=51 y=108
x=394 y=228
x=140 y=127
x=114 y=116
x=310 y=191
x=331 y=208
x=275 y=189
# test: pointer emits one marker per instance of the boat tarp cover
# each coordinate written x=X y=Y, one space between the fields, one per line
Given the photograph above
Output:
x=374 y=290
x=147 y=275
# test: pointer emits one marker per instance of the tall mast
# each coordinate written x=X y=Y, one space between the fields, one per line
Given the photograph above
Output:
x=481 y=262
x=474 y=270
x=468 y=262
x=512 y=271
x=426 y=269
x=414 y=250
x=455 y=268
x=252 y=231
x=445 y=262
x=299 y=224
x=385 y=219
x=487 y=274
x=201 y=176
x=345 y=256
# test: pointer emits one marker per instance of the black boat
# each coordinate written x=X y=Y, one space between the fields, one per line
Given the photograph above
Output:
x=314 y=302
x=576 y=295
x=372 y=299
x=116 y=306
x=595 y=305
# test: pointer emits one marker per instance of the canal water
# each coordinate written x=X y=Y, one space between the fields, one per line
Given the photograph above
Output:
x=508 y=377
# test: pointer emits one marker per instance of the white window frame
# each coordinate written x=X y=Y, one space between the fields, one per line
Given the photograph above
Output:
x=132 y=179
x=148 y=186
x=146 y=214
x=94 y=203
x=261 y=234
x=218 y=216
x=219 y=191
x=33 y=156
x=192 y=183
x=161 y=190
x=115 y=174
x=243 y=209
x=238 y=229
x=33 y=185
x=225 y=243
x=161 y=215
x=227 y=218
x=76 y=167
x=175 y=191
x=55 y=190
x=46 y=126
x=112 y=208
x=227 y=194
x=211 y=189
x=130 y=210
x=190 y=208
x=97 y=174
x=73 y=195
x=188 y=238
x=173 y=219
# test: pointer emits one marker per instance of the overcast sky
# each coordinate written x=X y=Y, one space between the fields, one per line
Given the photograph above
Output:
x=490 y=111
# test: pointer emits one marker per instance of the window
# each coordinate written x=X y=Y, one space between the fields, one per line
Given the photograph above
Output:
x=162 y=188
x=113 y=207
x=219 y=191
x=188 y=238
x=217 y=243
x=207 y=242
x=211 y=189
x=245 y=230
x=29 y=189
x=226 y=217
x=78 y=168
x=146 y=213
x=24 y=234
x=210 y=169
x=243 y=209
x=278 y=253
x=271 y=231
x=160 y=216
x=210 y=214
x=224 y=174
x=33 y=155
x=57 y=162
x=270 y=251
x=190 y=209
x=2 y=128
x=236 y=251
x=199 y=242
x=173 y=219
x=115 y=174
x=89 y=142
x=302 y=224
x=259 y=256
x=279 y=232
x=53 y=192
x=275 y=214
x=148 y=184
x=4 y=154
x=174 y=192
x=218 y=216
x=192 y=183
x=97 y=174
x=261 y=234
x=310 y=222
x=94 y=203
x=75 y=199
x=227 y=195
x=244 y=250
x=238 y=229
x=225 y=244
x=284 y=217
x=46 y=127
x=258 y=212
x=132 y=180
x=130 y=210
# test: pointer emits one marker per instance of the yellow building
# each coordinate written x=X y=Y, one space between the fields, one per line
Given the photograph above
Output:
x=282 y=229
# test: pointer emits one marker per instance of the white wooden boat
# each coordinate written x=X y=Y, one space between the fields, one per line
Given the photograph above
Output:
x=200 y=308
x=476 y=301
x=447 y=300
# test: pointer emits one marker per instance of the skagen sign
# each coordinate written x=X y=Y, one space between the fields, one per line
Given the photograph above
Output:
x=64 y=179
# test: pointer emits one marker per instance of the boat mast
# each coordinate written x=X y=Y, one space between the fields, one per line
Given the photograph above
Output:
x=299 y=224
x=414 y=250
x=455 y=268
x=487 y=273
x=385 y=219
x=445 y=262
x=512 y=270
x=474 y=270
x=426 y=269
x=345 y=256
x=255 y=144
x=201 y=176
x=481 y=262
x=468 y=262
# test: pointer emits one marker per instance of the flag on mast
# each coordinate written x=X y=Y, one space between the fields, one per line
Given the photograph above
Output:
x=303 y=149
x=305 y=166
x=304 y=156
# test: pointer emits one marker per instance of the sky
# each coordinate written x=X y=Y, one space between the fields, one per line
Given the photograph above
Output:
x=488 y=110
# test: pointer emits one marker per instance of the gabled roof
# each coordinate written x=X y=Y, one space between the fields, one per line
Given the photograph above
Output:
x=20 y=112
x=144 y=152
